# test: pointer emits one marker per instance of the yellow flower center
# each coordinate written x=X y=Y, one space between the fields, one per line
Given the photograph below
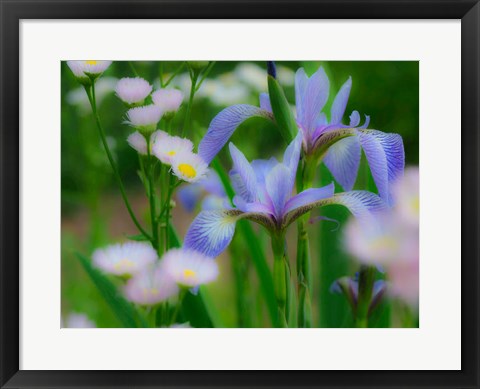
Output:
x=124 y=264
x=149 y=292
x=189 y=273
x=172 y=153
x=91 y=62
x=187 y=170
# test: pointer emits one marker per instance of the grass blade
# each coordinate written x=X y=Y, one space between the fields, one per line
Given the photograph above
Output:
x=124 y=311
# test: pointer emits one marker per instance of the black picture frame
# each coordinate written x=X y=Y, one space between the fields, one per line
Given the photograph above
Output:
x=14 y=11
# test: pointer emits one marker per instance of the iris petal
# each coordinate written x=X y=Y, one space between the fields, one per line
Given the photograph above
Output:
x=223 y=126
x=246 y=182
x=354 y=119
x=340 y=102
x=309 y=196
x=301 y=81
x=265 y=102
x=315 y=97
x=292 y=156
x=343 y=160
x=361 y=204
x=386 y=158
x=279 y=188
x=212 y=231
x=189 y=196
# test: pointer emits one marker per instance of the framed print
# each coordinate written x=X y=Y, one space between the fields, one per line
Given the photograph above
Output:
x=234 y=194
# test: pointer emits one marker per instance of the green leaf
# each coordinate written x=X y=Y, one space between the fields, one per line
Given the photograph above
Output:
x=124 y=311
x=173 y=236
x=208 y=305
x=195 y=311
x=281 y=110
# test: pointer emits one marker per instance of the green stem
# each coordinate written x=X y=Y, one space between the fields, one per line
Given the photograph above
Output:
x=280 y=277
x=151 y=316
x=151 y=196
x=133 y=68
x=240 y=267
x=173 y=75
x=160 y=76
x=304 y=262
x=193 y=77
x=365 y=290
x=91 y=97
x=205 y=74
x=167 y=212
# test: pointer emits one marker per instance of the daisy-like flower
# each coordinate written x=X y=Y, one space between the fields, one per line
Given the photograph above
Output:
x=151 y=286
x=189 y=268
x=124 y=259
x=167 y=147
x=145 y=118
x=382 y=241
x=391 y=240
x=78 y=320
x=407 y=196
x=85 y=70
x=189 y=167
x=133 y=90
x=169 y=100
x=137 y=141
x=404 y=280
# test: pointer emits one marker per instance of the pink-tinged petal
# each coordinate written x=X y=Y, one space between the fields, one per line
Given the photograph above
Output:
x=340 y=102
x=308 y=196
x=246 y=182
x=212 y=231
x=386 y=158
x=223 y=126
x=343 y=161
x=265 y=102
x=279 y=188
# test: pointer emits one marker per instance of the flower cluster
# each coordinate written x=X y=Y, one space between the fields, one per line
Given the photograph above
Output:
x=151 y=281
x=156 y=268
x=171 y=150
x=390 y=241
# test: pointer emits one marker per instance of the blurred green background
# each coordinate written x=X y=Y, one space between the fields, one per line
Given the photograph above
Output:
x=94 y=215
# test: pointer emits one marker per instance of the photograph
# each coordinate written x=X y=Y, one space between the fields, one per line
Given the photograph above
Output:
x=239 y=194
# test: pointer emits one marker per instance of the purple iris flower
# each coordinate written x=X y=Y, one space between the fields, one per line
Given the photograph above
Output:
x=338 y=145
x=264 y=195
x=348 y=286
